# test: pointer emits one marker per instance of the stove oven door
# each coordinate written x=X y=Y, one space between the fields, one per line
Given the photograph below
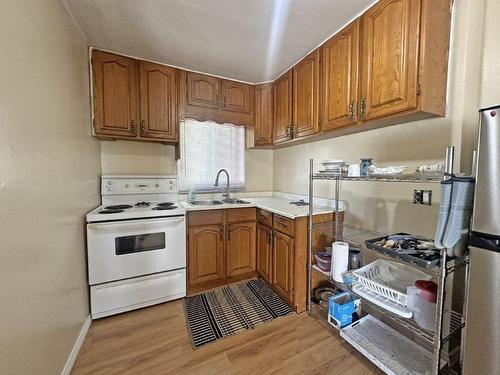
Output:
x=124 y=249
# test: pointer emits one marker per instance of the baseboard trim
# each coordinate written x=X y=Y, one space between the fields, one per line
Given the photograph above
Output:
x=68 y=366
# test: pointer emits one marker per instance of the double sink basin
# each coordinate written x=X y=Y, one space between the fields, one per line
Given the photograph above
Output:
x=218 y=202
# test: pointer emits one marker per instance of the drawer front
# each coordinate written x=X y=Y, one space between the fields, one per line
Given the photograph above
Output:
x=265 y=217
x=237 y=215
x=283 y=224
x=205 y=217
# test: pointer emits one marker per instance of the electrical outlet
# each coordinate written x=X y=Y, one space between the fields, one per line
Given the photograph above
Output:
x=422 y=197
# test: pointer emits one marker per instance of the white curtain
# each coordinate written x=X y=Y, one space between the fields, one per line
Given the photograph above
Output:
x=205 y=148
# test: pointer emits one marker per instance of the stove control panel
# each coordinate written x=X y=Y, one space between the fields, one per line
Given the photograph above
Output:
x=118 y=185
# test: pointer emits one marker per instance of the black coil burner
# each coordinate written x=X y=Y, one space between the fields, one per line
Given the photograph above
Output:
x=118 y=207
x=161 y=208
x=110 y=211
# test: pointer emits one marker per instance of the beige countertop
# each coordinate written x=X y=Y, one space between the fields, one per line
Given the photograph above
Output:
x=277 y=205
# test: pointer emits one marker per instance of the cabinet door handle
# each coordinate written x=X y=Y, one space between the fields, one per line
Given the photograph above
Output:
x=229 y=235
x=292 y=132
x=352 y=110
x=221 y=233
x=362 y=107
x=132 y=126
x=143 y=126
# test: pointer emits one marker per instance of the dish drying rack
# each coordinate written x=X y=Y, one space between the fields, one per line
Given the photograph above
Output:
x=449 y=323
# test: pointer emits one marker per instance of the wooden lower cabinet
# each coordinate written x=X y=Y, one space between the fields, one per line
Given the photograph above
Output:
x=283 y=262
x=234 y=244
x=221 y=247
x=240 y=248
x=264 y=252
x=206 y=254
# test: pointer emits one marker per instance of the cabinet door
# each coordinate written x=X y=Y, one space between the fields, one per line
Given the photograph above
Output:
x=340 y=83
x=158 y=98
x=235 y=97
x=240 y=248
x=389 y=61
x=264 y=114
x=264 y=252
x=203 y=91
x=306 y=96
x=206 y=253
x=282 y=107
x=115 y=94
x=282 y=273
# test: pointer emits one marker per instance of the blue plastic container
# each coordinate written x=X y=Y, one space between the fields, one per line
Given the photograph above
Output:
x=341 y=307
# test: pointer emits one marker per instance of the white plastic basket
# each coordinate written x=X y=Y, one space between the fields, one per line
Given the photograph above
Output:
x=389 y=279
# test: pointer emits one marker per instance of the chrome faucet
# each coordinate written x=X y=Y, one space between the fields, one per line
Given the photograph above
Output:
x=226 y=194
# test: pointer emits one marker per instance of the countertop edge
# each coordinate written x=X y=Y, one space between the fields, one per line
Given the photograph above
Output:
x=318 y=210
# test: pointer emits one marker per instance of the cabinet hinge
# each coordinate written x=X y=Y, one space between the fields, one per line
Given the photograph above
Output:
x=418 y=89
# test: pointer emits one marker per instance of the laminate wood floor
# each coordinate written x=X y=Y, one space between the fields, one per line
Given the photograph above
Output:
x=155 y=340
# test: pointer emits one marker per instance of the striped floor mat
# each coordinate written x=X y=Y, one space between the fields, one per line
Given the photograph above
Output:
x=231 y=309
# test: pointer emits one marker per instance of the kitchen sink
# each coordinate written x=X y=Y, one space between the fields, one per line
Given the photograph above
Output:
x=206 y=203
x=234 y=201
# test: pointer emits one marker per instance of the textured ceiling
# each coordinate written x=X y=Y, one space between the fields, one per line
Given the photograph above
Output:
x=247 y=40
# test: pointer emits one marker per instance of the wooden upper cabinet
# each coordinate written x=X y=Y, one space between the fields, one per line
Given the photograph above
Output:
x=340 y=78
x=306 y=96
x=282 y=107
x=235 y=97
x=264 y=114
x=282 y=273
x=203 y=91
x=241 y=248
x=115 y=94
x=390 y=52
x=158 y=101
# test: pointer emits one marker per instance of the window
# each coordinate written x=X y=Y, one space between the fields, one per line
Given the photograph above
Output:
x=207 y=147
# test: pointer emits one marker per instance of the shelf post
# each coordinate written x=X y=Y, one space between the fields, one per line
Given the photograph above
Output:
x=309 y=236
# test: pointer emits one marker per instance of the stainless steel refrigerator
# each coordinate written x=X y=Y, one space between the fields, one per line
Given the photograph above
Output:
x=482 y=334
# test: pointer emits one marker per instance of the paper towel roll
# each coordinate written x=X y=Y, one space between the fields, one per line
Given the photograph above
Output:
x=340 y=260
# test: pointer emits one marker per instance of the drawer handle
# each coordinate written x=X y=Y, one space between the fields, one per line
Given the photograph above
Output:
x=221 y=231
x=282 y=224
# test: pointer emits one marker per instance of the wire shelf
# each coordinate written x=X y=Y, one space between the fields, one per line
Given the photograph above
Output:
x=356 y=236
x=404 y=177
x=457 y=322
x=351 y=234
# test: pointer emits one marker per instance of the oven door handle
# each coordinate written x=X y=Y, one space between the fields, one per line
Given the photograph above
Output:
x=136 y=223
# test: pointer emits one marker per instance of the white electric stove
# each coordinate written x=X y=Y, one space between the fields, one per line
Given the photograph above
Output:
x=136 y=244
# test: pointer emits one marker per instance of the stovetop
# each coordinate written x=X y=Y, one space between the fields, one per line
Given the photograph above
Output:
x=136 y=197
x=135 y=210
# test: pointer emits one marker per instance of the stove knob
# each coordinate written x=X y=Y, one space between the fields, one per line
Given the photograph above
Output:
x=157 y=185
x=110 y=182
x=127 y=186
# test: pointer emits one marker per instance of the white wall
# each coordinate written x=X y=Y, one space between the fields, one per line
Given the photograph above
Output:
x=125 y=157
x=387 y=207
x=49 y=169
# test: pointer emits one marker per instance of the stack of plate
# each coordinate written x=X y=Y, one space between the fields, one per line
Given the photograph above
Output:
x=332 y=166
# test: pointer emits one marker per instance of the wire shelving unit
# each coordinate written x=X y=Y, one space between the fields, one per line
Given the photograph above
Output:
x=448 y=324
